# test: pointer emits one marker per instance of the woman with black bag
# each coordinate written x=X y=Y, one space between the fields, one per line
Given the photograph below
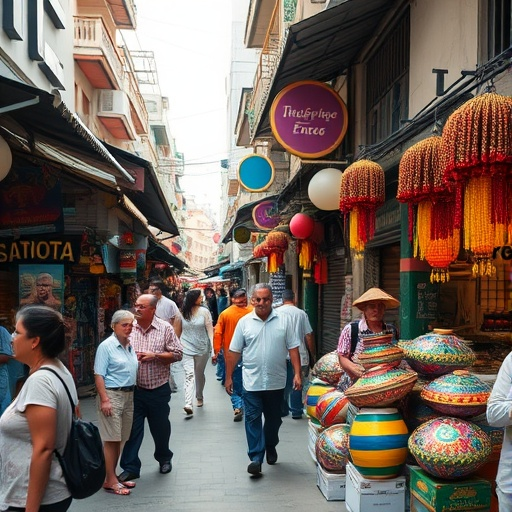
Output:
x=38 y=420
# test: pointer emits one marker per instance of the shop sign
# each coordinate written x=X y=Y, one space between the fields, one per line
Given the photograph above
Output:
x=31 y=202
x=38 y=250
x=265 y=215
x=504 y=252
x=309 y=119
x=256 y=173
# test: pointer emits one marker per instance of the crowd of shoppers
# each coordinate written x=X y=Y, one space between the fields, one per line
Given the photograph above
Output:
x=268 y=352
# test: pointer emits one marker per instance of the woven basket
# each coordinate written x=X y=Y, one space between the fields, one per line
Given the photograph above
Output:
x=459 y=394
x=381 y=386
x=437 y=353
x=380 y=354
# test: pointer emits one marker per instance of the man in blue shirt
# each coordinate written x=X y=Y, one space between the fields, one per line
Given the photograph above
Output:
x=266 y=339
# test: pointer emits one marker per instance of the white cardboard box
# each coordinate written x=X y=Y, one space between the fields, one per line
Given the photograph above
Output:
x=364 y=495
x=313 y=433
x=332 y=485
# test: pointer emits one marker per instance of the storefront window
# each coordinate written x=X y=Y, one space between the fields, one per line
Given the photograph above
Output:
x=387 y=79
x=499 y=26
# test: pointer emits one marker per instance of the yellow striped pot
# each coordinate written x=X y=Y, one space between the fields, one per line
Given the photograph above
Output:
x=378 y=443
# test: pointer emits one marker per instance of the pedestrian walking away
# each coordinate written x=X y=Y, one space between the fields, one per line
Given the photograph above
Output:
x=265 y=338
x=156 y=346
x=115 y=374
x=224 y=330
x=195 y=329
x=294 y=399
x=211 y=303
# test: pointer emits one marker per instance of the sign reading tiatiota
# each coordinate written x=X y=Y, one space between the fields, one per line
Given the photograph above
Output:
x=309 y=119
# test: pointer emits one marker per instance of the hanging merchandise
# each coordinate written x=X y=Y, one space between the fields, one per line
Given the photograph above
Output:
x=477 y=158
x=276 y=246
x=362 y=192
x=320 y=270
x=306 y=249
x=431 y=207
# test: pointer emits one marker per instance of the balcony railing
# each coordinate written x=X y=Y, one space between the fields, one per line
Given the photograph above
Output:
x=269 y=61
x=92 y=39
x=131 y=86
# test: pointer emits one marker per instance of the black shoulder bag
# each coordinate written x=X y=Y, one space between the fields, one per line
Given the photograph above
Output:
x=83 y=461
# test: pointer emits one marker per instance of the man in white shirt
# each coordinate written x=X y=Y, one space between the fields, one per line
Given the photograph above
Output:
x=265 y=338
x=293 y=400
x=166 y=309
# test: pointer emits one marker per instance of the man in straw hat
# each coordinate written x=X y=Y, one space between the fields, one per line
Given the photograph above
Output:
x=373 y=303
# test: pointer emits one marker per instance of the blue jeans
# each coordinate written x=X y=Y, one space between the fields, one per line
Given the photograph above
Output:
x=238 y=388
x=220 y=372
x=152 y=404
x=262 y=435
x=292 y=399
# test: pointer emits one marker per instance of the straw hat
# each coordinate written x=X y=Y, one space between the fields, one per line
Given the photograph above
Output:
x=373 y=295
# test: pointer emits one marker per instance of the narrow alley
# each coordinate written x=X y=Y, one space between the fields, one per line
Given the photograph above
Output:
x=210 y=462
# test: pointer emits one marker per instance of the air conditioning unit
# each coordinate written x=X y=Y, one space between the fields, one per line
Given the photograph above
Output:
x=113 y=103
x=114 y=110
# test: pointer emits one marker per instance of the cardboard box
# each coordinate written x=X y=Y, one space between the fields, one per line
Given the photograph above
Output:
x=314 y=431
x=364 y=495
x=332 y=485
x=430 y=494
x=418 y=506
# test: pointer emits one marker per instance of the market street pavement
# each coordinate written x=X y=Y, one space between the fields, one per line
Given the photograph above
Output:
x=210 y=465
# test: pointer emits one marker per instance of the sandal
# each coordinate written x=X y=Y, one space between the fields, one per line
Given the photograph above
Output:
x=118 y=489
x=129 y=484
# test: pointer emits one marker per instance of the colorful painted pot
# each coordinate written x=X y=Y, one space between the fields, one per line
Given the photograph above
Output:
x=381 y=386
x=459 y=394
x=378 y=443
x=331 y=448
x=315 y=391
x=437 y=353
x=380 y=354
x=332 y=408
x=450 y=447
x=328 y=368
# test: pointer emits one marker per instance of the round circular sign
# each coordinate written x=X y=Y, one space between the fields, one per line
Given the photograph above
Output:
x=309 y=119
x=255 y=173
x=241 y=234
x=265 y=215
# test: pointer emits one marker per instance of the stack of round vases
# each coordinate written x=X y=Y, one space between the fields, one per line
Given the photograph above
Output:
x=437 y=422
x=378 y=434
x=326 y=375
x=450 y=438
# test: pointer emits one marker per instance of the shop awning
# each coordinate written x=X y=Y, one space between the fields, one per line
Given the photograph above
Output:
x=159 y=252
x=213 y=280
x=244 y=217
x=237 y=265
x=323 y=46
x=37 y=122
x=152 y=202
x=213 y=270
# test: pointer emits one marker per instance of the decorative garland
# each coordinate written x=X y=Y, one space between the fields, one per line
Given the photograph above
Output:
x=362 y=192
